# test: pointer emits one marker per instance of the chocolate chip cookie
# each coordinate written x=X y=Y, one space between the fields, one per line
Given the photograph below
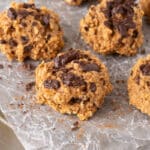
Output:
x=74 y=2
x=139 y=85
x=75 y=82
x=145 y=4
x=28 y=31
x=113 y=26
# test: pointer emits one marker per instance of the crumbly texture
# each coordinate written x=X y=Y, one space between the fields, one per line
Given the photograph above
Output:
x=139 y=85
x=145 y=4
x=113 y=26
x=76 y=82
x=29 y=32
x=74 y=2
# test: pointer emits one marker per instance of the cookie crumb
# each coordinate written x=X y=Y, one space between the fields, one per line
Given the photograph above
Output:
x=1 y=66
x=9 y=66
x=143 y=51
x=29 y=86
x=27 y=66
x=75 y=126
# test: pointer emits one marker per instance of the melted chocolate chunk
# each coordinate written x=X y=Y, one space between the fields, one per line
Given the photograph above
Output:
x=66 y=58
x=93 y=87
x=11 y=29
x=24 y=39
x=145 y=69
x=23 y=13
x=73 y=80
x=148 y=83
x=45 y=20
x=13 y=43
x=108 y=24
x=123 y=7
x=51 y=84
x=11 y=13
x=23 y=24
x=135 y=34
x=74 y=101
x=28 y=48
x=86 y=28
x=86 y=67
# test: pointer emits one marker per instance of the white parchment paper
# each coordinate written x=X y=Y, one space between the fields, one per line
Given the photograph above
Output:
x=117 y=126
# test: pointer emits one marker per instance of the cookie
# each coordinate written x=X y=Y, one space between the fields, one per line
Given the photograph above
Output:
x=145 y=4
x=75 y=82
x=113 y=26
x=30 y=32
x=74 y=2
x=139 y=85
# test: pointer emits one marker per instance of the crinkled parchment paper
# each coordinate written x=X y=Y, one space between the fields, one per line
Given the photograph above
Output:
x=117 y=126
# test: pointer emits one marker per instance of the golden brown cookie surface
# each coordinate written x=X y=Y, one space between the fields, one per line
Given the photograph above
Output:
x=28 y=31
x=113 y=26
x=139 y=85
x=74 y=83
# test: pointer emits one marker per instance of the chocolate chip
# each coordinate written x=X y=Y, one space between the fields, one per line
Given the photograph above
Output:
x=34 y=23
x=37 y=17
x=3 y=42
x=93 y=87
x=23 y=24
x=27 y=5
x=148 y=83
x=123 y=7
x=74 y=100
x=73 y=80
x=24 y=39
x=89 y=67
x=48 y=37
x=23 y=13
x=45 y=20
x=12 y=43
x=66 y=58
x=108 y=24
x=145 y=68
x=86 y=28
x=11 y=13
x=28 y=48
x=135 y=34
x=51 y=84
x=123 y=30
